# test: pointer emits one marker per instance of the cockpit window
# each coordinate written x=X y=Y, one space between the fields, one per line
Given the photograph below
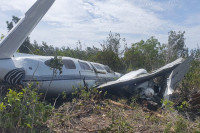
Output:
x=69 y=64
x=47 y=62
x=98 y=67
x=84 y=66
x=108 y=69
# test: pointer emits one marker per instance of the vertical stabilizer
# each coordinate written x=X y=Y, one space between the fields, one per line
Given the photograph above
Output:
x=176 y=76
x=24 y=27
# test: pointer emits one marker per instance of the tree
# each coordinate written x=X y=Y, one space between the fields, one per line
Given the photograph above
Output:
x=26 y=46
x=91 y=52
x=9 y=25
x=176 y=46
x=196 y=53
x=113 y=43
x=144 y=54
x=111 y=54
x=110 y=58
x=15 y=19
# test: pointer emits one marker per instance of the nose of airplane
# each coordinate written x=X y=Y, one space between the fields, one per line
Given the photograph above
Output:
x=14 y=76
x=6 y=65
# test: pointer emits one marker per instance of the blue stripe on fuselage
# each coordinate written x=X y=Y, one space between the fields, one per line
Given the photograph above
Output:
x=64 y=77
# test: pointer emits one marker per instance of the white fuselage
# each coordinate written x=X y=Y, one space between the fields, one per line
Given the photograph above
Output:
x=74 y=73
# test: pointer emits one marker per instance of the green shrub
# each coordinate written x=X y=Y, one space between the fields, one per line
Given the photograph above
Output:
x=184 y=105
x=87 y=93
x=168 y=127
x=180 y=125
x=119 y=123
x=168 y=105
x=192 y=79
x=23 y=111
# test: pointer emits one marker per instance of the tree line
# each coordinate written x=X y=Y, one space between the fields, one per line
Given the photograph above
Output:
x=148 y=54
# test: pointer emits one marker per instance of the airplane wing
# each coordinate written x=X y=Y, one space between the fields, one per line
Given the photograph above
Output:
x=14 y=39
x=115 y=85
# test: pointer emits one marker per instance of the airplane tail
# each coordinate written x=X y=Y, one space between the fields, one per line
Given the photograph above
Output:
x=176 y=76
x=10 y=44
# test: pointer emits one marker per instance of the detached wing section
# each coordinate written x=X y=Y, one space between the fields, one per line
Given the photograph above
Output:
x=145 y=77
x=19 y=33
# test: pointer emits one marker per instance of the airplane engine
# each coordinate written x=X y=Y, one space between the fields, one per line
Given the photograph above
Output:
x=149 y=92
x=15 y=76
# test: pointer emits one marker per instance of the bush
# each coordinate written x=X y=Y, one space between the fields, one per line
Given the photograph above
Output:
x=192 y=79
x=22 y=111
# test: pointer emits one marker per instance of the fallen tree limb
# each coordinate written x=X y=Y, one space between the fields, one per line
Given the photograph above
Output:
x=120 y=104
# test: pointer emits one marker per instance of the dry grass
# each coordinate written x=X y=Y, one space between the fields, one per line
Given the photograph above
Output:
x=111 y=116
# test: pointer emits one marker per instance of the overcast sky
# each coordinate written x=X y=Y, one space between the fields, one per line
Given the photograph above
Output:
x=90 y=21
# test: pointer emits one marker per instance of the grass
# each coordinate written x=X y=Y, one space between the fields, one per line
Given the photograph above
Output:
x=88 y=111
x=104 y=116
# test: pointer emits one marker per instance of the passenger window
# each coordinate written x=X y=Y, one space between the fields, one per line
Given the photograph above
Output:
x=98 y=67
x=69 y=64
x=84 y=66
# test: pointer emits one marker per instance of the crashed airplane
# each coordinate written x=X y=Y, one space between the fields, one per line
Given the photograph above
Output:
x=16 y=68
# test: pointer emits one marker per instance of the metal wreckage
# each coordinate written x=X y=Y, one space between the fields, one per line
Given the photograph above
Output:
x=16 y=68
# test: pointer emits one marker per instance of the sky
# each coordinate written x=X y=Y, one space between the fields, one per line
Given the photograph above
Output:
x=90 y=21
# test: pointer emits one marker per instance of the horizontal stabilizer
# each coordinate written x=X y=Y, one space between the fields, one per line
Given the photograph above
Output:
x=10 y=44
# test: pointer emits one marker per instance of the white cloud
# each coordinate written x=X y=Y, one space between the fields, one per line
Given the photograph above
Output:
x=87 y=20
x=21 y=5
x=192 y=36
x=91 y=20
x=149 y=4
x=3 y=29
